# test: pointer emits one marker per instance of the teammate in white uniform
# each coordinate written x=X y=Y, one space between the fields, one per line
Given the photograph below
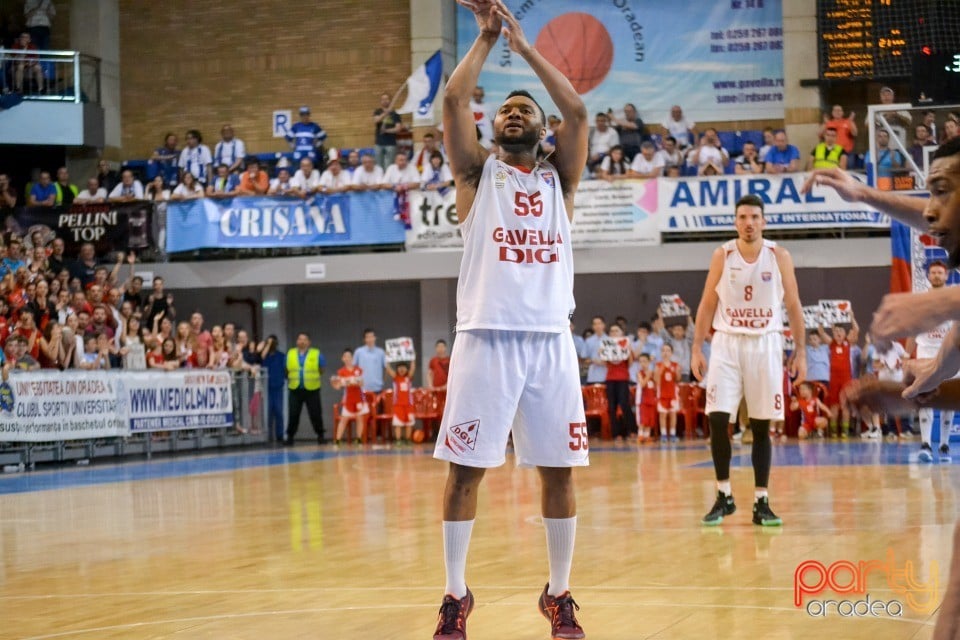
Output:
x=513 y=362
x=749 y=279
x=927 y=345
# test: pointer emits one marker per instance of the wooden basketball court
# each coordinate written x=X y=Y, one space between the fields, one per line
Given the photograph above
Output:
x=313 y=543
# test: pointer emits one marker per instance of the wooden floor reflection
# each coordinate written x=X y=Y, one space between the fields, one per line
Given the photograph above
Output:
x=349 y=546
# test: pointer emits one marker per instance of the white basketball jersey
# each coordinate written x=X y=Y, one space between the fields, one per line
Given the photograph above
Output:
x=751 y=294
x=928 y=342
x=517 y=268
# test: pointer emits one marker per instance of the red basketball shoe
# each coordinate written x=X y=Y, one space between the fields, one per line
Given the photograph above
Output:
x=559 y=610
x=452 y=622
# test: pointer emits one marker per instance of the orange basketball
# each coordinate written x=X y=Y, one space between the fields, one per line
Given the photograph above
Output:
x=418 y=436
x=579 y=46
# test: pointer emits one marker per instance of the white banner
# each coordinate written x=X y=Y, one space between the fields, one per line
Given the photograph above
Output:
x=835 y=312
x=42 y=406
x=614 y=349
x=605 y=214
x=186 y=399
x=706 y=204
x=400 y=350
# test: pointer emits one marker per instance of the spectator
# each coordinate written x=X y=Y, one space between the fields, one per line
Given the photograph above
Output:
x=19 y=356
x=219 y=351
x=304 y=374
x=683 y=132
x=132 y=348
x=597 y=371
x=549 y=143
x=921 y=139
x=43 y=193
x=437 y=176
x=8 y=195
x=164 y=356
x=353 y=162
x=898 y=120
x=56 y=259
x=159 y=302
x=106 y=176
x=283 y=185
x=783 y=157
x=230 y=150
x=225 y=184
x=38 y=16
x=647 y=164
x=353 y=406
x=254 y=181
x=307 y=179
x=603 y=137
x=828 y=153
x=26 y=64
x=387 y=124
x=618 y=392
x=930 y=119
x=670 y=154
x=66 y=192
x=306 y=136
x=373 y=360
x=769 y=142
x=614 y=166
x=128 y=190
x=204 y=339
x=274 y=362
x=195 y=158
x=401 y=175
x=845 y=127
x=156 y=191
x=439 y=367
x=749 y=162
x=680 y=340
x=710 y=157
x=422 y=157
x=334 y=179
x=666 y=375
x=369 y=176
x=98 y=323
x=188 y=189
x=631 y=130
x=818 y=359
x=951 y=129
x=482 y=117
x=93 y=194
x=163 y=162
x=887 y=159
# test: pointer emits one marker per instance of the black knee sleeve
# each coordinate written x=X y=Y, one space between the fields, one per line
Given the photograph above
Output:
x=720 y=444
x=762 y=452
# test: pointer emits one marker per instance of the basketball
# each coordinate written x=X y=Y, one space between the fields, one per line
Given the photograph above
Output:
x=418 y=436
x=579 y=46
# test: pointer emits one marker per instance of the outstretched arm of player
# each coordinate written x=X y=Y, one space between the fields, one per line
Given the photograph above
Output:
x=791 y=297
x=907 y=314
x=705 y=312
x=570 y=155
x=464 y=152
x=906 y=209
x=924 y=376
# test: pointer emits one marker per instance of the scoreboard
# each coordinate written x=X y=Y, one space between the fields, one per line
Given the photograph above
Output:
x=879 y=39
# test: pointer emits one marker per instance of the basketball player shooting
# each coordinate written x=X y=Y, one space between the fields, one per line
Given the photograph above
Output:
x=513 y=362
x=749 y=280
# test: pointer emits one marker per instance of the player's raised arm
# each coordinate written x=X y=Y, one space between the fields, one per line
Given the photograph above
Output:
x=906 y=209
x=570 y=156
x=791 y=298
x=705 y=312
x=464 y=152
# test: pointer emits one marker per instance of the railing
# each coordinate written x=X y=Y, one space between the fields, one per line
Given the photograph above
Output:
x=59 y=76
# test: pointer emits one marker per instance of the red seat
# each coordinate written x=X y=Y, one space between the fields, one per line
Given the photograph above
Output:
x=427 y=408
x=382 y=411
x=595 y=406
x=692 y=407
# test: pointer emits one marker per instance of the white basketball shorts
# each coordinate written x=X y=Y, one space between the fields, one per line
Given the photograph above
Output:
x=750 y=367
x=527 y=381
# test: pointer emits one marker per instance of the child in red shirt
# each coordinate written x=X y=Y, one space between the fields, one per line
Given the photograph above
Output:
x=841 y=372
x=352 y=407
x=403 y=418
x=667 y=375
x=811 y=407
x=646 y=399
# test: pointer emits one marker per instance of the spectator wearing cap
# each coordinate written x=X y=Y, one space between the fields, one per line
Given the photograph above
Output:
x=334 y=179
x=306 y=136
x=196 y=158
x=94 y=193
x=42 y=193
x=254 y=181
x=307 y=179
x=387 y=124
x=225 y=184
x=369 y=177
x=128 y=190
x=230 y=150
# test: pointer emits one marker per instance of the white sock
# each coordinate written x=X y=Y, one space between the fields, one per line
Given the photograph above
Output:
x=759 y=493
x=926 y=425
x=724 y=486
x=946 y=421
x=561 y=533
x=456 y=541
